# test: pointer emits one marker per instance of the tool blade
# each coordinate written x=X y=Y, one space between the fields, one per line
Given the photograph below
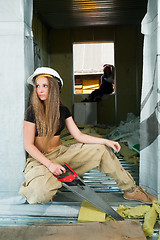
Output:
x=91 y=196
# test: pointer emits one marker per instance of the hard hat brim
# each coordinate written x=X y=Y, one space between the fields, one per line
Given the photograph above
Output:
x=44 y=70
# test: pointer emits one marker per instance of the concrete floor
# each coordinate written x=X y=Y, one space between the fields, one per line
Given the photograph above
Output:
x=65 y=207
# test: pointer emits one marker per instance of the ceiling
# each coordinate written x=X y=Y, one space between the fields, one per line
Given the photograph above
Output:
x=62 y=14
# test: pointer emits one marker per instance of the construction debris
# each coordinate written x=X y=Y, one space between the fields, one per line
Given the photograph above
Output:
x=133 y=212
x=149 y=221
x=114 y=229
x=128 y=132
x=128 y=154
x=89 y=213
x=149 y=214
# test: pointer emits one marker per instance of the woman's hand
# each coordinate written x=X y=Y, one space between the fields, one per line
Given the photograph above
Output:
x=56 y=169
x=114 y=145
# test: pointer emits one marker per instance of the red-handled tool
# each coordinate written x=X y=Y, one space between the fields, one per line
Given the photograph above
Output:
x=68 y=178
x=75 y=184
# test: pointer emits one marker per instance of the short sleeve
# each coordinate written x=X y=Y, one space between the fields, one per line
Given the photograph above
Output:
x=29 y=115
x=67 y=113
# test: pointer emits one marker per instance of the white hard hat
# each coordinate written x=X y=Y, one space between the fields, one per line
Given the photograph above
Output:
x=45 y=70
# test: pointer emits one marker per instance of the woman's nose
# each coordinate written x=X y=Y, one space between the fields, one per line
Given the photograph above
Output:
x=40 y=89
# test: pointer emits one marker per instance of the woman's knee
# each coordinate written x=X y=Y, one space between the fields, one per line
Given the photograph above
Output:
x=102 y=150
x=97 y=147
x=40 y=188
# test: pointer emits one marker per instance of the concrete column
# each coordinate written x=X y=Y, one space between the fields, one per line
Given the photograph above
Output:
x=16 y=64
x=150 y=101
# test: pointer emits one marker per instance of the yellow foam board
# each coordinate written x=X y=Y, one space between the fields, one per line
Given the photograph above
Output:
x=89 y=213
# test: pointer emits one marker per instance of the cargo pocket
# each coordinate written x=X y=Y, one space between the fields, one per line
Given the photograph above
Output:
x=32 y=173
x=30 y=165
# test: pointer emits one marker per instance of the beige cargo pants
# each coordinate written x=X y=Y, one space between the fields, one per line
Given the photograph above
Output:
x=40 y=185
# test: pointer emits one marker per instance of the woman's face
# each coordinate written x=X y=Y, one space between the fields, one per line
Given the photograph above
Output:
x=42 y=88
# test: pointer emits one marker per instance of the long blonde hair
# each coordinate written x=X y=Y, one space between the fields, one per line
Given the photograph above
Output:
x=47 y=114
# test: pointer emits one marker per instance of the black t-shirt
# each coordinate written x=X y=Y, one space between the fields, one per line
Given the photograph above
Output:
x=64 y=114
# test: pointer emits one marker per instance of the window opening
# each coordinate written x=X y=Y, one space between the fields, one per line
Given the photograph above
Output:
x=88 y=61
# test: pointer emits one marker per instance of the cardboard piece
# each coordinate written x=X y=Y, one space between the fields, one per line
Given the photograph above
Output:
x=114 y=230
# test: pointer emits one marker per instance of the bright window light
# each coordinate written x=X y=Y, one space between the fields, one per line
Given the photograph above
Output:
x=88 y=61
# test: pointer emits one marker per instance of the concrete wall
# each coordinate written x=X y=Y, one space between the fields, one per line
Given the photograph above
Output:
x=16 y=65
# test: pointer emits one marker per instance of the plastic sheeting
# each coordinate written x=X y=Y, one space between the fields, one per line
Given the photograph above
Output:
x=16 y=64
x=127 y=132
x=150 y=101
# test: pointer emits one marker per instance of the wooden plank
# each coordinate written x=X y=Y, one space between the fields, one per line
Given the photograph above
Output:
x=80 y=231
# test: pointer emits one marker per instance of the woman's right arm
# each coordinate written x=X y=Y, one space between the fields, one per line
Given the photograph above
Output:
x=29 y=138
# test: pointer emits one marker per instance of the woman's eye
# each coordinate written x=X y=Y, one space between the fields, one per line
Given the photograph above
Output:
x=45 y=85
x=37 y=86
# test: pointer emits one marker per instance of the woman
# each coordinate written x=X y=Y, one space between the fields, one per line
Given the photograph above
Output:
x=106 y=86
x=44 y=121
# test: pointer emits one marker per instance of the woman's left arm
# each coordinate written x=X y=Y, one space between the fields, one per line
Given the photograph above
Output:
x=84 y=138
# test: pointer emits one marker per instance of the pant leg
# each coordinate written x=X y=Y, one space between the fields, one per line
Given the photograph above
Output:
x=113 y=168
x=40 y=185
x=94 y=94
x=84 y=157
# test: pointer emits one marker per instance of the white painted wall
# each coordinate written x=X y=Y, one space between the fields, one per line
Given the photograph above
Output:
x=16 y=64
